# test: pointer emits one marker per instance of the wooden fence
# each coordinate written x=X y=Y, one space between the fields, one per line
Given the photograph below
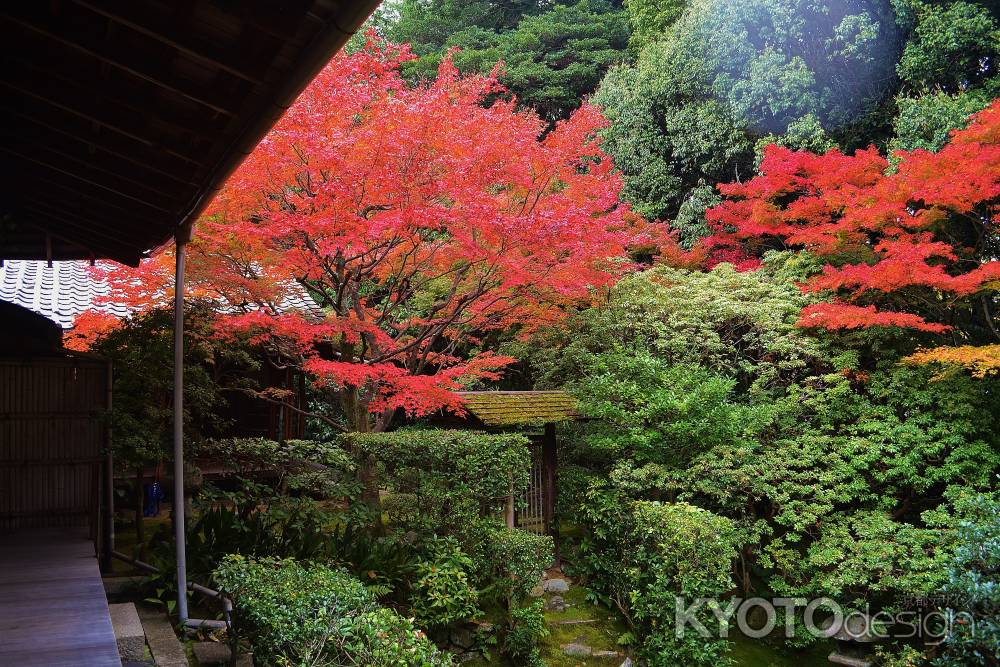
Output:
x=53 y=437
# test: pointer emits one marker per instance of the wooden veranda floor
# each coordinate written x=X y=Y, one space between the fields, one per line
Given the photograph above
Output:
x=53 y=610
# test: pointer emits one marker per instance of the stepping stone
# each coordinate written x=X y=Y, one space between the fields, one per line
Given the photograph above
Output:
x=577 y=649
x=575 y=622
x=555 y=586
x=606 y=654
x=211 y=653
x=163 y=643
x=128 y=632
x=556 y=603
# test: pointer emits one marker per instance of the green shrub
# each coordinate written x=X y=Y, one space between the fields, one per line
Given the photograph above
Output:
x=520 y=636
x=453 y=477
x=679 y=551
x=442 y=592
x=294 y=614
x=509 y=562
x=645 y=557
x=383 y=638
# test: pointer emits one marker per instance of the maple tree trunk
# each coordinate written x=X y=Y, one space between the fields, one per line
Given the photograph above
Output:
x=359 y=421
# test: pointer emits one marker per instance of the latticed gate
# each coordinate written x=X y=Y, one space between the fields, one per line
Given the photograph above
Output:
x=537 y=509
x=531 y=515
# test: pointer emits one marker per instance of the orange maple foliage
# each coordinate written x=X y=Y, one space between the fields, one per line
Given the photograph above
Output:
x=416 y=218
x=87 y=328
x=981 y=361
x=914 y=245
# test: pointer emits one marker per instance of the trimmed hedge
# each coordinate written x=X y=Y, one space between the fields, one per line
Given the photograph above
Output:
x=304 y=615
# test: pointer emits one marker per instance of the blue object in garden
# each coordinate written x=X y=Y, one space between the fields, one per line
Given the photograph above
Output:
x=154 y=494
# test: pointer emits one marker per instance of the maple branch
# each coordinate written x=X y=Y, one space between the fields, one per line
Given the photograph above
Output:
x=989 y=316
x=306 y=413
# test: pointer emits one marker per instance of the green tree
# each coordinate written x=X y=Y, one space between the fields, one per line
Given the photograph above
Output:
x=555 y=59
x=725 y=74
x=428 y=25
x=974 y=586
x=925 y=121
x=954 y=47
x=551 y=60
x=949 y=72
x=651 y=18
x=738 y=325
x=141 y=353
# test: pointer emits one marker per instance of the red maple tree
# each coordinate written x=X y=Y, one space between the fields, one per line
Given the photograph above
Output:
x=417 y=218
x=913 y=243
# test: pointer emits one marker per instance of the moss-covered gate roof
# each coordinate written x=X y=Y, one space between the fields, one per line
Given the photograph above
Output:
x=512 y=408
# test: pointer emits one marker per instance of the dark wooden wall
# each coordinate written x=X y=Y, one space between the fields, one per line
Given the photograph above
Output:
x=52 y=440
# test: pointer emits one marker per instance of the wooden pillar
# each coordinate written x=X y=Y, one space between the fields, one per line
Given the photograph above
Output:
x=549 y=479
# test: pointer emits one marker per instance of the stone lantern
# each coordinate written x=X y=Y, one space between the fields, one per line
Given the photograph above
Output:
x=853 y=639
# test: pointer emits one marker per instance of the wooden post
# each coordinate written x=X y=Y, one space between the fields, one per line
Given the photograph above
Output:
x=509 y=509
x=549 y=488
x=108 y=522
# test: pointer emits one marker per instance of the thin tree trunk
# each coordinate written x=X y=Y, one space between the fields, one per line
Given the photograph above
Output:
x=140 y=533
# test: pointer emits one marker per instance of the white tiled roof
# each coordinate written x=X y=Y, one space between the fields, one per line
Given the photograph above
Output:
x=66 y=289
x=60 y=292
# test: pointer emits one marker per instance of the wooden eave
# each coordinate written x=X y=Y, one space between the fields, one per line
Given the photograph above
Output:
x=120 y=119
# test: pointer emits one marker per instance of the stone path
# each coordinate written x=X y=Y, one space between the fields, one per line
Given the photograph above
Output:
x=553 y=588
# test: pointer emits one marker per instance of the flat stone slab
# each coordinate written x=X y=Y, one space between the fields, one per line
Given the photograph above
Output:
x=578 y=621
x=556 y=603
x=163 y=643
x=211 y=653
x=128 y=631
x=577 y=649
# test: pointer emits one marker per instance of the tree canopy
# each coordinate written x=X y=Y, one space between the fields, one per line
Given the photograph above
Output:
x=418 y=218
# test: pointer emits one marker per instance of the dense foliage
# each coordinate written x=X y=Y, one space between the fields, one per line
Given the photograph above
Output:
x=306 y=615
x=914 y=246
x=552 y=55
x=972 y=588
x=649 y=558
x=840 y=470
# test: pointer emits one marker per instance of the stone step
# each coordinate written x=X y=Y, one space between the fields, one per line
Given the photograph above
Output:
x=167 y=650
x=211 y=653
x=128 y=632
